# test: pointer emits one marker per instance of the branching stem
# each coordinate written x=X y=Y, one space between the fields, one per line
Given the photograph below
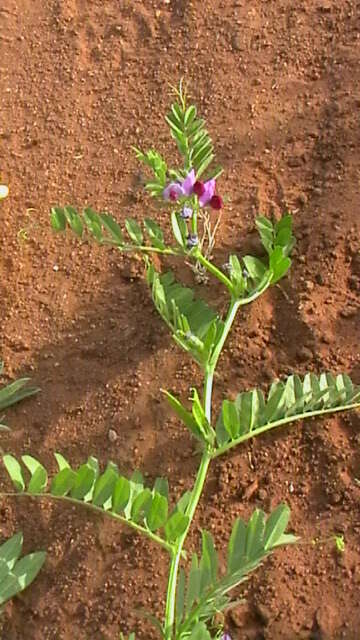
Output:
x=200 y=477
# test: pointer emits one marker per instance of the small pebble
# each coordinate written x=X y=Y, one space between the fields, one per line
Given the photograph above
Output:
x=112 y=435
x=304 y=354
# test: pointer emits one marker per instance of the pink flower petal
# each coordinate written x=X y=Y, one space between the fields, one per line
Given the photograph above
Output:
x=173 y=189
x=208 y=193
x=188 y=183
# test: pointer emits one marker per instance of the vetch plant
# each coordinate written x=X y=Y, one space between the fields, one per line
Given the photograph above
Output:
x=197 y=590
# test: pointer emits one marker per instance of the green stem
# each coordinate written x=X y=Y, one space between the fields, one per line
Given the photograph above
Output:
x=200 y=477
x=89 y=505
x=232 y=311
x=195 y=207
x=212 y=269
x=144 y=249
x=174 y=567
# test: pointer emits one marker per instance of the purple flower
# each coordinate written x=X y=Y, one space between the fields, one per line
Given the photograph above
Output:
x=205 y=191
x=225 y=636
x=176 y=190
x=209 y=190
x=173 y=191
x=188 y=183
x=192 y=240
x=186 y=213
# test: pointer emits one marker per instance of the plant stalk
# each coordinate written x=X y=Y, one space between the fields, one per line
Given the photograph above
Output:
x=213 y=270
x=174 y=566
x=169 y=622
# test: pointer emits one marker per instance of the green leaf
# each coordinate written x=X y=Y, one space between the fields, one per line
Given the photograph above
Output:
x=190 y=115
x=121 y=494
x=158 y=512
x=134 y=231
x=112 y=228
x=279 y=264
x=179 y=229
x=38 y=482
x=236 y=276
x=250 y=406
x=154 y=188
x=193 y=588
x=11 y=550
x=141 y=505
x=276 y=402
x=136 y=487
x=155 y=233
x=275 y=526
x=255 y=268
x=254 y=535
x=161 y=486
x=180 y=596
x=39 y=476
x=174 y=126
x=266 y=231
x=200 y=632
x=283 y=234
x=62 y=462
x=63 y=482
x=230 y=418
x=237 y=546
x=185 y=416
x=199 y=414
x=183 y=502
x=175 y=526
x=209 y=555
x=14 y=470
x=105 y=485
x=154 y=160
x=21 y=575
x=15 y=392
x=74 y=220
x=84 y=482
x=58 y=219
x=286 y=538
x=93 y=223
x=222 y=436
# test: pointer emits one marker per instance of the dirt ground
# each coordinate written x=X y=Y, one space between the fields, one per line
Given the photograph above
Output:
x=279 y=83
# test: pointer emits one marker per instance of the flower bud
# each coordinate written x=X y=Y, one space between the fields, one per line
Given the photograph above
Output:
x=199 y=188
x=186 y=213
x=216 y=203
x=192 y=240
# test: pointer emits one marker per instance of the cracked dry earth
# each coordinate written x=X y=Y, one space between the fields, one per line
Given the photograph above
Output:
x=81 y=82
